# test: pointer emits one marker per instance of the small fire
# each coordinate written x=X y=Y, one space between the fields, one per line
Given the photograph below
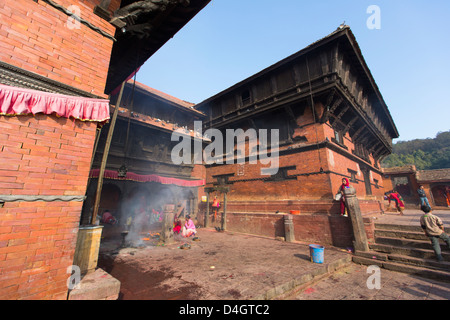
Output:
x=151 y=236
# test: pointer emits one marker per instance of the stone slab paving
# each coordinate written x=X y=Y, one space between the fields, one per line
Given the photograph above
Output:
x=221 y=266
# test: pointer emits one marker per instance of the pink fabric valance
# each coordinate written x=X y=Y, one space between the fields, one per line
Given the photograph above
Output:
x=18 y=101
x=110 y=174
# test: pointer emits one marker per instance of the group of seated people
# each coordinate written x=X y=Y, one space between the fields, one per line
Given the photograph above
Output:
x=187 y=230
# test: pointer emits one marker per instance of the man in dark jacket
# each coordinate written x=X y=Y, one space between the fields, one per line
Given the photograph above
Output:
x=423 y=197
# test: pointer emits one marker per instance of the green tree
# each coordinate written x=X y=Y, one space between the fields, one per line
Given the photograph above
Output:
x=425 y=154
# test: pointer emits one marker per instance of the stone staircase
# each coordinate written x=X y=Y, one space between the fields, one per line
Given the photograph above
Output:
x=405 y=249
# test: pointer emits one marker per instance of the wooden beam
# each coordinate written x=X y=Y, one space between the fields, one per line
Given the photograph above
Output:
x=105 y=156
x=365 y=138
x=329 y=112
x=327 y=104
x=350 y=124
x=357 y=133
x=344 y=110
x=289 y=111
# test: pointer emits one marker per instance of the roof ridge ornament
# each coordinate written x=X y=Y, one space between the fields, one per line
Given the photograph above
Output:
x=342 y=26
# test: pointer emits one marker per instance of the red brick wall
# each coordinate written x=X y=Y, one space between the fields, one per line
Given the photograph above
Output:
x=37 y=243
x=306 y=187
x=35 y=37
x=268 y=225
x=41 y=155
x=45 y=155
x=331 y=230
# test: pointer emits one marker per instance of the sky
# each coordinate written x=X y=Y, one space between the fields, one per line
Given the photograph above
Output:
x=230 y=40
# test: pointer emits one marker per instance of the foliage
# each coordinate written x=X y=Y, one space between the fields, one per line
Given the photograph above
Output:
x=425 y=154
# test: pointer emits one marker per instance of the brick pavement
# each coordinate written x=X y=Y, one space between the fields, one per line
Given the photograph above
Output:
x=412 y=217
x=233 y=266
x=350 y=283
x=221 y=266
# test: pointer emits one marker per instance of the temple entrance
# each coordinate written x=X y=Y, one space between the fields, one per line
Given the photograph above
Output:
x=441 y=195
x=110 y=200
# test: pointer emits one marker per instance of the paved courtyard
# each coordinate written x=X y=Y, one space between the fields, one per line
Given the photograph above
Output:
x=350 y=283
x=221 y=266
x=233 y=266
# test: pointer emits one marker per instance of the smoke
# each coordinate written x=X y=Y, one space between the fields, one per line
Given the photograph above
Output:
x=142 y=211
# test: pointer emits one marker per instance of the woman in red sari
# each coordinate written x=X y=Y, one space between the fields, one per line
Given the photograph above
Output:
x=177 y=225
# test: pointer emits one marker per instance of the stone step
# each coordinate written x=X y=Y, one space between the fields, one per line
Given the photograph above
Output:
x=405 y=268
x=399 y=227
x=408 y=251
x=404 y=242
x=425 y=263
x=401 y=234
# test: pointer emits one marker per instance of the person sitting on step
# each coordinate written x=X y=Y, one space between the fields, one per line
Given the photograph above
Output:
x=434 y=229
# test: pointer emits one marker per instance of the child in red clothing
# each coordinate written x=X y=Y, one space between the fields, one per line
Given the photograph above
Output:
x=399 y=204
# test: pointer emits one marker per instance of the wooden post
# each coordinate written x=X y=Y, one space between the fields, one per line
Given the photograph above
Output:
x=105 y=156
x=360 y=243
x=207 y=210
x=87 y=248
x=167 y=228
x=224 y=215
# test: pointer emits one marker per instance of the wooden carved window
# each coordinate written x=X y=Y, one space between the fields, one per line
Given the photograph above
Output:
x=246 y=97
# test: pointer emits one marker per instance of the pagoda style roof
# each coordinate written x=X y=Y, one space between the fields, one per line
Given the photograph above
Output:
x=334 y=72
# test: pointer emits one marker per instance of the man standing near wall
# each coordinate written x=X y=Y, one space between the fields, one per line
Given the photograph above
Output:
x=423 y=196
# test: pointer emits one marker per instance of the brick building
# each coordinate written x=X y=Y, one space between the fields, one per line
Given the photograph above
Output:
x=407 y=179
x=59 y=62
x=141 y=148
x=333 y=123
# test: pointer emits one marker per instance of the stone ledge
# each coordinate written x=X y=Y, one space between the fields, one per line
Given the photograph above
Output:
x=97 y=285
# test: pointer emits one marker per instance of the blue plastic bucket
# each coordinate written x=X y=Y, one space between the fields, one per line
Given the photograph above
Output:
x=317 y=253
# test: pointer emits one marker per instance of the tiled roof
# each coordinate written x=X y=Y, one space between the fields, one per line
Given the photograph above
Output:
x=433 y=175
x=181 y=103
x=158 y=123
x=398 y=170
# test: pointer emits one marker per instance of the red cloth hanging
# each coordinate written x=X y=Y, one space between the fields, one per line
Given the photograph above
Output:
x=19 y=101
x=110 y=174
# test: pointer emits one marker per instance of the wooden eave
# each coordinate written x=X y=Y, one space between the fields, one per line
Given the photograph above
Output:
x=128 y=54
x=347 y=36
